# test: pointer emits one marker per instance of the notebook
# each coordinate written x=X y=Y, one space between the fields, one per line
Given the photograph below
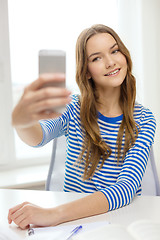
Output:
x=139 y=230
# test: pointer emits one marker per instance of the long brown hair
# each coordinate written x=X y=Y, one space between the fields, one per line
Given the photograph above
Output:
x=95 y=151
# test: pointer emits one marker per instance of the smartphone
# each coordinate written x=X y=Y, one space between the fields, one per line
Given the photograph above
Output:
x=53 y=61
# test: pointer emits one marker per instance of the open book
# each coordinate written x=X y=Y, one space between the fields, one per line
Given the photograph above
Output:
x=139 y=230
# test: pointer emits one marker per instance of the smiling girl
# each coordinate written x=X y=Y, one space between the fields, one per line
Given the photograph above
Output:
x=108 y=134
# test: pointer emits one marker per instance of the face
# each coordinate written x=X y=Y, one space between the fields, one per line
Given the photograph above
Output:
x=107 y=66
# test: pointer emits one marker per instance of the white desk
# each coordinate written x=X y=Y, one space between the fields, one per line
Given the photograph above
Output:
x=140 y=208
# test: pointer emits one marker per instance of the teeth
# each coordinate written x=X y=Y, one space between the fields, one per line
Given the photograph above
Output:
x=112 y=72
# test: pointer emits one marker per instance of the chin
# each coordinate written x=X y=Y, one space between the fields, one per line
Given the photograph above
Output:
x=117 y=82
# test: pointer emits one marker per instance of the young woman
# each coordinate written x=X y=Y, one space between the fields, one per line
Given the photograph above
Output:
x=109 y=136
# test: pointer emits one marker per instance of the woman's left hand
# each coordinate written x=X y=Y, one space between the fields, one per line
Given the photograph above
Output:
x=26 y=213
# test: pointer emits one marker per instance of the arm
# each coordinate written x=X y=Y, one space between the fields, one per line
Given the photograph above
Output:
x=112 y=197
x=34 y=105
x=31 y=135
x=26 y=213
x=129 y=180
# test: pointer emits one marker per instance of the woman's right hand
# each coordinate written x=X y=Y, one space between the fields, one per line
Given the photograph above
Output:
x=36 y=102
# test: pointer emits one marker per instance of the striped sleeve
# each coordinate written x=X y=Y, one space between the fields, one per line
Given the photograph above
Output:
x=53 y=128
x=130 y=177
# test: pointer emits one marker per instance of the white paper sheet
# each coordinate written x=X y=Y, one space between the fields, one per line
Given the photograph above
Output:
x=6 y=233
x=61 y=232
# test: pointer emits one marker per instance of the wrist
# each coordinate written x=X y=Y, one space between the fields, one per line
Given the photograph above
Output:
x=58 y=215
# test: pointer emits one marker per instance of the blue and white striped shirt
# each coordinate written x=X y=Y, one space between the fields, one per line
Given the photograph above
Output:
x=118 y=182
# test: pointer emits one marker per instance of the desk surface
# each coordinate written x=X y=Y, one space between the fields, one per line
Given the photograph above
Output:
x=144 y=207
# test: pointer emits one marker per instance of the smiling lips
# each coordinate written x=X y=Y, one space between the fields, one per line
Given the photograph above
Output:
x=113 y=73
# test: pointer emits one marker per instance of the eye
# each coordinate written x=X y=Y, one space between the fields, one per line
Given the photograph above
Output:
x=115 y=51
x=96 y=59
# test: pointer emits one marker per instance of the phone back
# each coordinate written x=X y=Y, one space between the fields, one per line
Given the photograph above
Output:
x=52 y=61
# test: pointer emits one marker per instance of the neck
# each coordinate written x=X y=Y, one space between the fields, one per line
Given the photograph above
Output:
x=108 y=102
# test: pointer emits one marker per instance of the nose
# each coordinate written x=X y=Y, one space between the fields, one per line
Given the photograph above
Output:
x=109 y=62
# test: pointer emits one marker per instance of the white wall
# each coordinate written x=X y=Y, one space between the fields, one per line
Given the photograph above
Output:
x=151 y=63
x=139 y=22
x=6 y=131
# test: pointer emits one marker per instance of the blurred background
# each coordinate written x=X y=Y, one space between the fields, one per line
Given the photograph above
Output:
x=26 y=26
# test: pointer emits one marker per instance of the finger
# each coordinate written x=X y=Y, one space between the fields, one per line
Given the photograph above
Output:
x=49 y=104
x=17 y=213
x=17 y=207
x=22 y=222
x=53 y=92
x=46 y=78
x=9 y=219
x=45 y=93
x=13 y=210
x=18 y=217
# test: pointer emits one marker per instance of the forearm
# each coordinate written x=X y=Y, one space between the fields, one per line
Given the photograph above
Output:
x=26 y=213
x=37 y=103
x=91 y=205
x=32 y=135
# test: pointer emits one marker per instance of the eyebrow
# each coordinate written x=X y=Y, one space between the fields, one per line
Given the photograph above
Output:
x=114 y=45
x=96 y=53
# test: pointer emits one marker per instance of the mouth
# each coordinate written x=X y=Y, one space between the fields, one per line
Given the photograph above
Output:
x=113 y=73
